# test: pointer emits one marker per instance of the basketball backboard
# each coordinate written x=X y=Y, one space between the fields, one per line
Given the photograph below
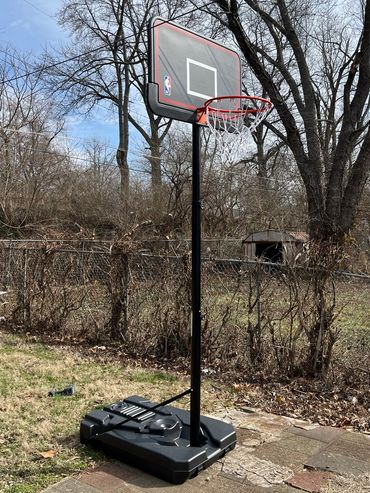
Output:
x=187 y=69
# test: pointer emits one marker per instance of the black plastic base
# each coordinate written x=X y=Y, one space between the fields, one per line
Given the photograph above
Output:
x=157 y=441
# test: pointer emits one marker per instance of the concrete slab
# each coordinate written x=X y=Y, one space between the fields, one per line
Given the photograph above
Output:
x=248 y=438
x=302 y=445
x=201 y=483
x=265 y=423
x=341 y=484
x=258 y=421
x=227 y=485
x=290 y=459
x=142 y=481
x=269 y=427
x=282 y=489
x=224 y=485
x=338 y=464
x=311 y=481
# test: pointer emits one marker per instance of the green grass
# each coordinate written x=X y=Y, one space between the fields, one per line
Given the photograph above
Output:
x=353 y=304
x=352 y=301
x=152 y=377
x=31 y=422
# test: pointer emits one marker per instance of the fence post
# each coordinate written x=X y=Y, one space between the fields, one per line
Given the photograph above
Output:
x=22 y=312
x=8 y=271
x=119 y=293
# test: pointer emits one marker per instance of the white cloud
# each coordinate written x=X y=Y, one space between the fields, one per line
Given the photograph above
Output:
x=19 y=23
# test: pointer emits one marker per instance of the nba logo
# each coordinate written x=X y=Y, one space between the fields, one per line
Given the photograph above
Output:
x=167 y=85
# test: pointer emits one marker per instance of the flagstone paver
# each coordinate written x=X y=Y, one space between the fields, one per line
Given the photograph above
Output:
x=339 y=464
x=311 y=481
x=245 y=466
x=351 y=445
x=321 y=433
x=290 y=451
x=71 y=485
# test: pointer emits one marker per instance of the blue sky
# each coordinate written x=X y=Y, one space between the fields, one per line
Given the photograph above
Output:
x=31 y=26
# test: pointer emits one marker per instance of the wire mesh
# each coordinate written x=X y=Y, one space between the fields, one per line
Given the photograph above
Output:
x=253 y=311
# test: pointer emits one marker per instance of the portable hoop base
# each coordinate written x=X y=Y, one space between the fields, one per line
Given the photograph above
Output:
x=158 y=442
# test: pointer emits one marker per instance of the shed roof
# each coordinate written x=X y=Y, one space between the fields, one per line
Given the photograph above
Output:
x=276 y=236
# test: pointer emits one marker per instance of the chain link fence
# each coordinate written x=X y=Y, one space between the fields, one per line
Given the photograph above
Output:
x=257 y=314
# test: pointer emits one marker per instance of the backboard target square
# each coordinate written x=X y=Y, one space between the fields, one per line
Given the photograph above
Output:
x=201 y=79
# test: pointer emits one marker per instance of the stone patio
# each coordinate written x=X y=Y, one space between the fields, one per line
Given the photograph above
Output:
x=274 y=454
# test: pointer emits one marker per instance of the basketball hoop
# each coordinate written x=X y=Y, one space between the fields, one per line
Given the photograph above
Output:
x=232 y=119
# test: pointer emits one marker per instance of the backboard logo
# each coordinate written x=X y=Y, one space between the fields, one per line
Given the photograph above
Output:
x=167 y=85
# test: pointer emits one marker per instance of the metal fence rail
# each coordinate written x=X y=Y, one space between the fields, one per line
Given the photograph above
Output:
x=90 y=259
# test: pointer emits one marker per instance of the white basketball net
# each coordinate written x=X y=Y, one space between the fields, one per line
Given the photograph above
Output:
x=232 y=120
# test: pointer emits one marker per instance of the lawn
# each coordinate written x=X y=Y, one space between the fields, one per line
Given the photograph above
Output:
x=39 y=434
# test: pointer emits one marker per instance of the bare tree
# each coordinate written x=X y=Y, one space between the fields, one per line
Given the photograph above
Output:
x=177 y=180
x=95 y=67
x=156 y=131
x=313 y=60
x=317 y=74
x=31 y=166
x=94 y=189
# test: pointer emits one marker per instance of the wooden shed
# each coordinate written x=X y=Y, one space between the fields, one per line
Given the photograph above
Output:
x=273 y=245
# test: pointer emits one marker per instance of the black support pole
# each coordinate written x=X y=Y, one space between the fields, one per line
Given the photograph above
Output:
x=196 y=301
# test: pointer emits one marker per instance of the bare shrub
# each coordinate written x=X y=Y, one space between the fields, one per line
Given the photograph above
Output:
x=160 y=305
x=45 y=296
x=271 y=318
x=259 y=320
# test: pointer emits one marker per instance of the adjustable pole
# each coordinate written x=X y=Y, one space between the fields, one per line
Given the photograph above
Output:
x=196 y=302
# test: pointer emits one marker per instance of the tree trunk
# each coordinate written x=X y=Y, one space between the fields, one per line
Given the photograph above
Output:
x=156 y=176
x=123 y=125
x=334 y=188
x=121 y=157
